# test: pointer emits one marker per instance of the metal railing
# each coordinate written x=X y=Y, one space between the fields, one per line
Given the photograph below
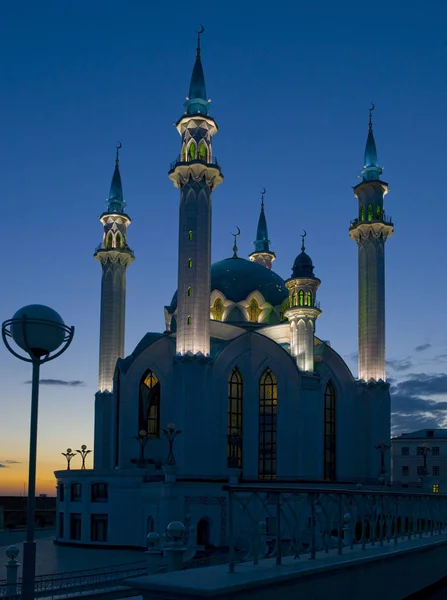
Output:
x=388 y=219
x=277 y=521
x=64 y=585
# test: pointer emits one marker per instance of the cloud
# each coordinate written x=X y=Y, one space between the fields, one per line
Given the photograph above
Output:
x=422 y=347
x=74 y=383
x=413 y=402
x=399 y=365
x=2 y=466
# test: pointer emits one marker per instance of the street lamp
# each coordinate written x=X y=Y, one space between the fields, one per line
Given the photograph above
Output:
x=383 y=449
x=142 y=438
x=39 y=331
x=84 y=453
x=171 y=433
x=425 y=451
x=68 y=455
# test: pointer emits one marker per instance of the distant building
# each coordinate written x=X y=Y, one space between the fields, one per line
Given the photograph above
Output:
x=239 y=370
x=408 y=467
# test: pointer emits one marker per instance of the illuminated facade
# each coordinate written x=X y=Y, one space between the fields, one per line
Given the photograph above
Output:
x=238 y=370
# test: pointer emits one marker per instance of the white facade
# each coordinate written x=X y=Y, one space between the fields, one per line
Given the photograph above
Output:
x=407 y=459
x=250 y=395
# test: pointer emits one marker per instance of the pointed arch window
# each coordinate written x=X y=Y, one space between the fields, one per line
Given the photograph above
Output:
x=190 y=236
x=370 y=212
x=202 y=151
x=189 y=263
x=235 y=410
x=268 y=402
x=217 y=309
x=118 y=240
x=329 y=433
x=149 y=404
x=190 y=291
x=362 y=213
x=309 y=298
x=184 y=154
x=295 y=298
x=378 y=212
x=301 y=297
x=189 y=320
x=192 y=151
x=109 y=242
x=254 y=311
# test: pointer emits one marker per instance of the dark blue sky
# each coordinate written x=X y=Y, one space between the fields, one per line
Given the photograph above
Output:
x=291 y=85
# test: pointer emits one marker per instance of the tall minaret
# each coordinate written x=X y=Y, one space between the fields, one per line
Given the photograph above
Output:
x=196 y=173
x=262 y=254
x=304 y=309
x=370 y=230
x=114 y=255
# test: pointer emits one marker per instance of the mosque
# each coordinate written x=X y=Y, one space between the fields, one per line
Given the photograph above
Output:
x=238 y=387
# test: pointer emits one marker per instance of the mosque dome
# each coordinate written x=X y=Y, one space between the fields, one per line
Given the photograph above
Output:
x=237 y=278
x=303 y=266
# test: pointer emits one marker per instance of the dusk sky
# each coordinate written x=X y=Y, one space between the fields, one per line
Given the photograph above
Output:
x=291 y=88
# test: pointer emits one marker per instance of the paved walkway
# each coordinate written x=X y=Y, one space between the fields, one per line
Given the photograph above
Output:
x=51 y=558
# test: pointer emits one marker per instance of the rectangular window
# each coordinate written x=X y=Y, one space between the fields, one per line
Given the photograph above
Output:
x=435 y=451
x=189 y=320
x=435 y=488
x=98 y=528
x=421 y=470
x=405 y=471
x=436 y=470
x=190 y=263
x=405 y=451
x=190 y=236
x=61 y=492
x=100 y=492
x=61 y=524
x=75 y=492
x=75 y=526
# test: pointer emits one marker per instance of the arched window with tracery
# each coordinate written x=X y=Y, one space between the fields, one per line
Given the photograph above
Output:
x=203 y=151
x=109 y=242
x=118 y=240
x=309 y=298
x=217 y=309
x=268 y=404
x=149 y=404
x=235 y=416
x=253 y=311
x=301 y=297
x=329 y=433
x=184 y=154
x=295 y=298
x=362 y=213
x=378 y=212
x=192 y=151
x=370 y=212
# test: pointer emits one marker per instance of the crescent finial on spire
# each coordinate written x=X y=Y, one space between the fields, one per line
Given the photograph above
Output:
x=370 y=116
x=303 y=235
x=262 y=197
x=118 y=148
x=199 y=33
x=235 y=235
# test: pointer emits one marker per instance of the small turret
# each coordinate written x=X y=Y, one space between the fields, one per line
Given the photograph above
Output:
x=262 y=254
x=304 y=309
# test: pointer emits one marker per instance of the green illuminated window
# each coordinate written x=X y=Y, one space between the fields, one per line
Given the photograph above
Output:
x=190 y=236
x=118 y=240
x=301 y=297
x=254 y=311
x=189 y=320
x=190 y=291
x=184 y=154
x=109 y=242
x=192 y=151
x=217 y=310
x=294 y=298
x=370 y=212
x=202 y=151
x=190 y=263
x=378 y=213
x=309 y=298
x=362 y=213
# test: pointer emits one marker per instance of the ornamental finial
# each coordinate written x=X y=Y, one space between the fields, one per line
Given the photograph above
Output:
x=303 y=235
x=262 y=197
x=117 y=159
x=235 y=248
x=199 y=33
x=370 y=116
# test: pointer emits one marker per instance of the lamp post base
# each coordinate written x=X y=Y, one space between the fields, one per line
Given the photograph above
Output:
x=29 y=570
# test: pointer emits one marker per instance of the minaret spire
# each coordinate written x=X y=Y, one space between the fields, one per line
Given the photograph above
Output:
x=262 y=253
x=371 y=230
x=115 y=256
x=196 y=174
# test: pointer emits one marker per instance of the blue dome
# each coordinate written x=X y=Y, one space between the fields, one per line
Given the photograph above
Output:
x=303 y=266
x=237 y=278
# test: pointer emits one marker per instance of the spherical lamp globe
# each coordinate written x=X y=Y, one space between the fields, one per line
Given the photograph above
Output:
x=41 y=332
x=175 y=530
x=12 y=552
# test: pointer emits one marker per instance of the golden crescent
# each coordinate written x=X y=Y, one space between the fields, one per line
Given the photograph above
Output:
x=238 y=231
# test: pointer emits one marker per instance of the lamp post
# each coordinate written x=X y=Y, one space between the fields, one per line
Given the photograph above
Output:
x=171 y=433
x=425 y=452
x=83 y=452
x=68 y=455
x=39 y=331
x=383 y=449
x=234 y=442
